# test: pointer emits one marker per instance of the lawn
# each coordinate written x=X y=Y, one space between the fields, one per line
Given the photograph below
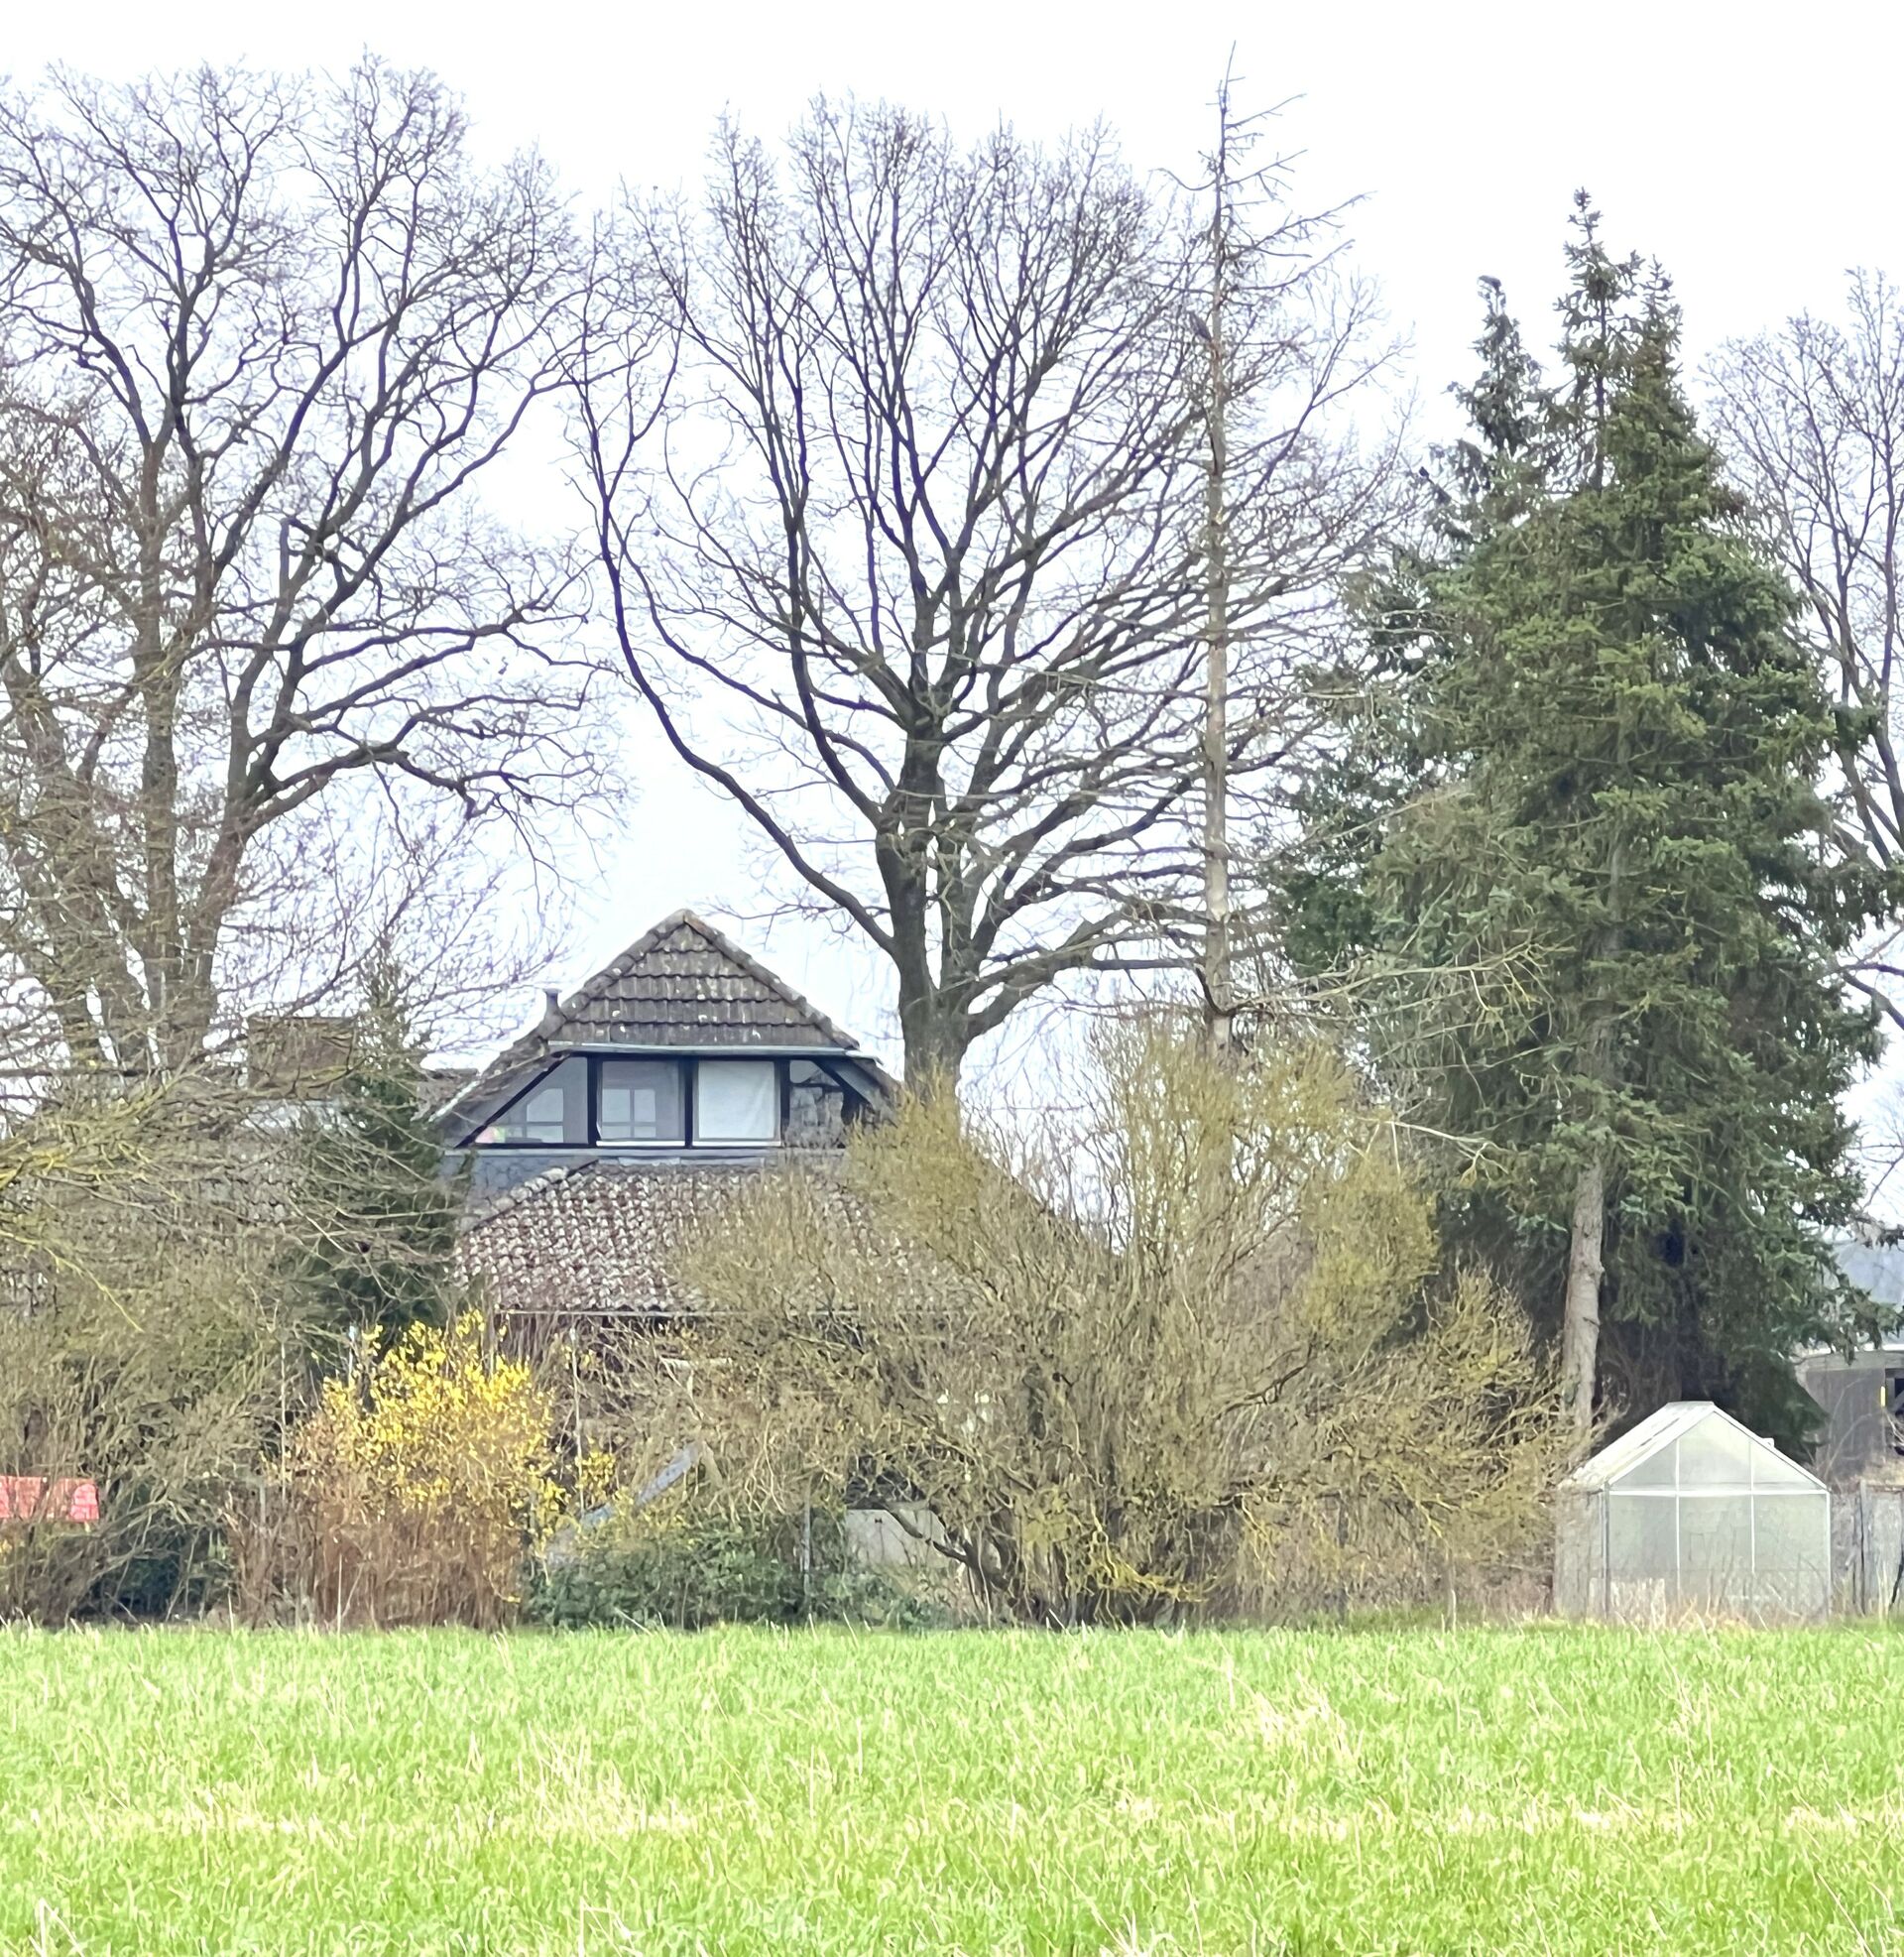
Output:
x=1536 y=1791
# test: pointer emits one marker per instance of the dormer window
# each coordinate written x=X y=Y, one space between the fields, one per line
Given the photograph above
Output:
x=682 y=1044
x=658 y=1101
x=639 y=1101
x=553 y=1114
x=737 y=1101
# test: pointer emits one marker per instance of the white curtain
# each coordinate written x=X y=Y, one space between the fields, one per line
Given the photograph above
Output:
x=735 y=1101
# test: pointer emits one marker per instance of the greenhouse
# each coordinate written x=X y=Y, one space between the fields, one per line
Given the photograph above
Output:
x=1691 y=1514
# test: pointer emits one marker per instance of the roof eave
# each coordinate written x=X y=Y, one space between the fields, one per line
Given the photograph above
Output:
x=688 y=1049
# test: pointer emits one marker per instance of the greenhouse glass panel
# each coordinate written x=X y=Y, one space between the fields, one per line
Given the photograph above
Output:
x=1691 y=1514
x=1644 y=1538
x=1660 y=1470
x=1717 y=1453
x=1716 y=1553
x=1793 y=1547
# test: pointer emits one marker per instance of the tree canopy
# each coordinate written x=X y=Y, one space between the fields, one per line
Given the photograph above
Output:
x=1584 y=867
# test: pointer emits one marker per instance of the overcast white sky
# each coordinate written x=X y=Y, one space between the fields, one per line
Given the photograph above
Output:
x=1753 y=154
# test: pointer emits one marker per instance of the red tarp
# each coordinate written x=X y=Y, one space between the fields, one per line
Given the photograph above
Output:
x=29 y=1499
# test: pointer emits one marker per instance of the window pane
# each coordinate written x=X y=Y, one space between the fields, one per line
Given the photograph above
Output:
x=552 y=1113
x=816 y=1107
x=737 y=1101
x=641 y=1101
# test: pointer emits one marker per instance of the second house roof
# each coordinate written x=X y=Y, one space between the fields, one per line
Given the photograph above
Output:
x=681 y=984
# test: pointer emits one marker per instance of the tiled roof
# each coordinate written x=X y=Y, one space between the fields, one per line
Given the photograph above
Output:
x=596 y=1237
x=685 y=984
x=682 y=984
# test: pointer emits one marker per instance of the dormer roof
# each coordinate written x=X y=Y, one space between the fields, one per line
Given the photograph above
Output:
x=685 y=984
x=681 y=986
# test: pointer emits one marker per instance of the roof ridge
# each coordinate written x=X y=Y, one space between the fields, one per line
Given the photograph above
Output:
x=1667 y=1423
x=536 y=1039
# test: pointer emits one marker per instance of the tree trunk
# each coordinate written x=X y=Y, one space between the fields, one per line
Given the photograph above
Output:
x=1580 y=1320
x=932 y=1029
x=1585 y=1265
x=933 y=1049
x=1219 y=1008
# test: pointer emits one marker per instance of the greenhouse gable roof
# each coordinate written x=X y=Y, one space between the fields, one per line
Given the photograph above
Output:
x=1671 y=1423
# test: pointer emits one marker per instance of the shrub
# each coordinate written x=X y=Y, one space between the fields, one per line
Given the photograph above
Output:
x=852 y=1593
x=1137 y=1360
x=687 y=1568
x=419 y=1486
x=686 y=1572
x=140 y=1348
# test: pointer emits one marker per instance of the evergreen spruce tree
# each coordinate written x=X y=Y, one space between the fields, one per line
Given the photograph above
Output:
x=1591 y=874
x=383 y=1216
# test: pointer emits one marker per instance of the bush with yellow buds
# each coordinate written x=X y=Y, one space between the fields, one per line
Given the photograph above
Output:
x=426 y=1480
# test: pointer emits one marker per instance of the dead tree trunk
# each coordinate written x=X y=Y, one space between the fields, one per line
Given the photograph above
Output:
x=1219 y=1015
x=1585 y=1263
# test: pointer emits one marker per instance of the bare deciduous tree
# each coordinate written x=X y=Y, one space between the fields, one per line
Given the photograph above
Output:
x=1812 y=417
x=258 y=341
x=912 y=560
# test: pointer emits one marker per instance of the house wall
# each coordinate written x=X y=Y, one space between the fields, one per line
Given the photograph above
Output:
x=1856 y=1438
x=494 y=1171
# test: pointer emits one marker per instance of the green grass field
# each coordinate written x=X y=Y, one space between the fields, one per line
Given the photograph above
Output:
x=1537 y=1790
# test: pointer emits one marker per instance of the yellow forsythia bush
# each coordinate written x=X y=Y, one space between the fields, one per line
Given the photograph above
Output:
x=424 y=1482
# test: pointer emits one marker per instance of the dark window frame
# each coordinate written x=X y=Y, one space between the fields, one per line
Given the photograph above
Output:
x=689 y=1066
x=1894 y=1406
